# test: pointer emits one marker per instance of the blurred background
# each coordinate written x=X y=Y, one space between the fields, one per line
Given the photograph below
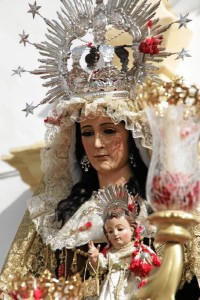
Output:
x=21 y=138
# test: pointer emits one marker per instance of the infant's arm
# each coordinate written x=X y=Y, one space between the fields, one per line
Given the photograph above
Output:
x=96 y=258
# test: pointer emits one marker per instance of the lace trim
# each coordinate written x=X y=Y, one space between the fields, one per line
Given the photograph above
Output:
x=117 y=109
x=85 y=225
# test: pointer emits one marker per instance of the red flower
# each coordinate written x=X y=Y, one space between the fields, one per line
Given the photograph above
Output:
x=81 y=228
x=142 y=283
x=53 y=121
x=137 y=233
x=37 y=294
x=141 y=263
x=131 y=207
x=150 y=45
x=156 y=260
x=140 y=268
x=149 y=24
x=86 y=226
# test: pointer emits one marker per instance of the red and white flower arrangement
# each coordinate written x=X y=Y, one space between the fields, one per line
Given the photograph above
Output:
x=143 y=260
x=151 y=43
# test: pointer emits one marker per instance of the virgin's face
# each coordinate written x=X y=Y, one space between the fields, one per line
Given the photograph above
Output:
x=105 y=143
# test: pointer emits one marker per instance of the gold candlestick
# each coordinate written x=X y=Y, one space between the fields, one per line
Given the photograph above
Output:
x=172 y=229
x=173 y=185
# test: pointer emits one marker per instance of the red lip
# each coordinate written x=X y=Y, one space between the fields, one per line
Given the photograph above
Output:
x=100 y=155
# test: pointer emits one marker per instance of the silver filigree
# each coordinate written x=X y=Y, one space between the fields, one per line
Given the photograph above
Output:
x=115 y=197
x=107 y=52
x=69 y=69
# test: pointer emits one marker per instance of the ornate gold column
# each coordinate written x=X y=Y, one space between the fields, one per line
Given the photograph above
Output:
x=26 y=160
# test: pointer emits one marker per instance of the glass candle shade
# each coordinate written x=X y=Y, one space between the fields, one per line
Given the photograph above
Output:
x=173 y=181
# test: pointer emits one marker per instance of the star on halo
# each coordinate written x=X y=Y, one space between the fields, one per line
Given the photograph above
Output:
x=183 y=54
x=18 y=71
x=34 y=9
x=183 y=20
x=24 y=38
x=29 y=109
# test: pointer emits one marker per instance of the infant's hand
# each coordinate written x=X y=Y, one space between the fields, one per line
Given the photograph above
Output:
x=93 y=253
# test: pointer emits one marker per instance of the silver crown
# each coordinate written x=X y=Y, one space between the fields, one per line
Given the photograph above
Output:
x=86 y=52
x=116 y=198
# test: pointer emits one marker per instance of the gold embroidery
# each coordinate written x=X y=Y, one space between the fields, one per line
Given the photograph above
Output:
x=27 y=254
x=74 y=265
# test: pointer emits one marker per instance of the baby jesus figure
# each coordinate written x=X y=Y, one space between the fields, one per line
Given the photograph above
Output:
x=127 y=261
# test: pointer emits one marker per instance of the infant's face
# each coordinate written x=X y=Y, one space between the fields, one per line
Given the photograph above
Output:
x=119 y=232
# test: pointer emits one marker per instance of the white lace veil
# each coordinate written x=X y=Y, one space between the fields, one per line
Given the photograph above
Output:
x=59 y=164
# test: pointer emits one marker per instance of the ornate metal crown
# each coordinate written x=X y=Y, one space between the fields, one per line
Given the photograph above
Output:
x=116 y=198
x=86 y=52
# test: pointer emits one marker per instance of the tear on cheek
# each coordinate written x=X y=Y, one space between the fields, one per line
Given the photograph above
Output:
x=117 y=146
x=117 y=142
